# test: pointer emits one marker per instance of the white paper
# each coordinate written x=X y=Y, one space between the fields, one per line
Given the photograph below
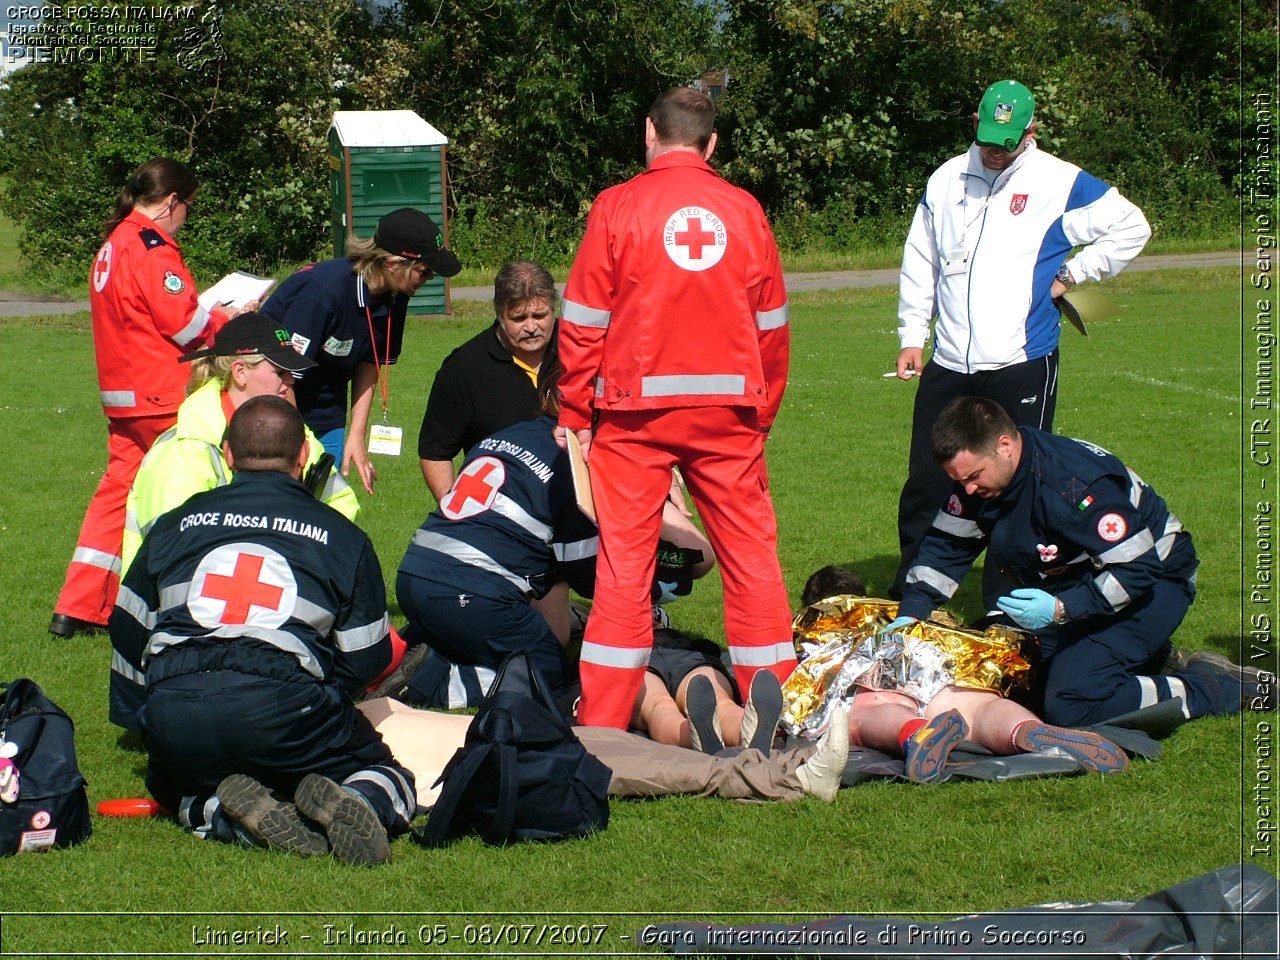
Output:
x=236 y=289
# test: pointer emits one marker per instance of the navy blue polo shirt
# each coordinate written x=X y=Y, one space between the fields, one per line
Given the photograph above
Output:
x=328 y=309
x=478 y=391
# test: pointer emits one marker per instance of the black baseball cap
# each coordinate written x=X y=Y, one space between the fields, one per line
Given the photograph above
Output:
x=411 y=234
x=251 y=333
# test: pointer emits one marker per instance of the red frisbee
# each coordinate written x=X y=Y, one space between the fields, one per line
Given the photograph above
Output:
x=129 y=807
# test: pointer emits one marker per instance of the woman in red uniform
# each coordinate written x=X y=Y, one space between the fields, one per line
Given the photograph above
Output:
x=145 y=316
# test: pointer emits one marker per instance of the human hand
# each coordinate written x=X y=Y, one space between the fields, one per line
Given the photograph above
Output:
x=1029 y=607
x=584 y=440
x=354 y=453
x=897 y=626
x=910 y=362
x=1057 y=289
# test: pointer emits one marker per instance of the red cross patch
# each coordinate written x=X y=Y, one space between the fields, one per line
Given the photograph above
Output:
x=694 y=238
x=1018 y=203
x=953 y=506
x=102 y=267
x=475 y=489
x=1111 y=527
x=242 y=584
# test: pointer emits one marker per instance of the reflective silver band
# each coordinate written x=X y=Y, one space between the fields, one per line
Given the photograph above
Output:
x=576 y=550
x=280 y=639
x=766 y=656
x=97 y=558
x=192 y=330
x=361 y=638
x=585 y=316
x=118 y=398
x=931 y=577
x=957 y=526
x=771 y=319
x=693 y=385
x=1130 y=549
x=1113 y=591
x=465 y=553
x=126 y=669
x=505 y=506
x=622 y=658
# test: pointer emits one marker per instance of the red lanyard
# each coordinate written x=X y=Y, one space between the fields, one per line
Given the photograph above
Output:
x=383 y=369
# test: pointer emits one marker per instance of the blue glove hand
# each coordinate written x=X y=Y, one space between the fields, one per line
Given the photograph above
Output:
x=897 y=625
x=1030 y=608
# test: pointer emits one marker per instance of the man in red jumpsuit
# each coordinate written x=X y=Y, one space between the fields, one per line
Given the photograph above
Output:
x=675 y=333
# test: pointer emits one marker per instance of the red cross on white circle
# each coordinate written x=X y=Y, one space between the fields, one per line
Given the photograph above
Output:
x=694 y=238
x=1111 y=527
x=102 y=267
x=475 y=489
x=242 y=584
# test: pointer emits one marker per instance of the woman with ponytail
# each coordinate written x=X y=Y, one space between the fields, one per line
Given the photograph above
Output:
x=145 y=315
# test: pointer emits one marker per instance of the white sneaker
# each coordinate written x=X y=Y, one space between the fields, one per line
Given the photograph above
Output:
x=820 y=775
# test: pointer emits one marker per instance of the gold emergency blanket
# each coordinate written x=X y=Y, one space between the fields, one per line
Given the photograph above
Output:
x=839 y=650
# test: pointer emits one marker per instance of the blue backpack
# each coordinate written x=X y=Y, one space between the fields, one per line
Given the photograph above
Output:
x=521 y=773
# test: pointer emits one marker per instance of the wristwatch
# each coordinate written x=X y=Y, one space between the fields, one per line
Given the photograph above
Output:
x=1059 y=611
x=1064 y=277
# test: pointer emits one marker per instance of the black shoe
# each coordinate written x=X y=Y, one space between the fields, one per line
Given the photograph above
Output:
x=704 y=718
x=355 y=833
x=273 y=822
x=396 y=682
x=63 y=626
x=763 y=711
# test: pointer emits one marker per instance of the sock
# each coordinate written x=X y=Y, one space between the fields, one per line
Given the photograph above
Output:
x=908 y=730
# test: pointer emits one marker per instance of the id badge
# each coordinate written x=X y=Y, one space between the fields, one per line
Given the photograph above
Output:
x=384 y=438
x=956 y=262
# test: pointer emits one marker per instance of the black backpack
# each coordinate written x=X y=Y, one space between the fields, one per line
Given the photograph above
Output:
x=52 y=808
x=521 y=774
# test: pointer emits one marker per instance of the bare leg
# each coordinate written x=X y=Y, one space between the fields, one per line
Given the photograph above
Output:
x=991 y=718
x=656 y=713
x=876 y=718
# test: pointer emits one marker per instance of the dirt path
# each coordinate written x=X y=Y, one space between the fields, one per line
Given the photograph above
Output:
x=21 y=305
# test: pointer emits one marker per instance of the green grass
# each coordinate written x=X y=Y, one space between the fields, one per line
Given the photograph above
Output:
x=1160 y=384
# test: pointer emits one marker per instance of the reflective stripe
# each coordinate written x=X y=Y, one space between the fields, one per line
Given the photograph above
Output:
x=1149 y=696
x=957 y=526
x=1135 y=488
x=279 y=639
x=335 y=485
x=361 y=638
x=577 y=550
x=465 y=553
x=1112 y=590
x=132 y=604
x=584 y=316
x=599 y=387
x=505 y=506
x=97 y=558
x=1164 y=546
x=174 y=595
x=126 y=669
x=710 y=384
x=933 y=578
x=459 y=697
x=131 y=523
x=1179 y=689
x=388 y=781
x=771 y=319
x=118 y=398
x=1130 y=549
x=215 y=460
x=766 y=656
x=623 y=658
x=313 y=615
x=192 y=330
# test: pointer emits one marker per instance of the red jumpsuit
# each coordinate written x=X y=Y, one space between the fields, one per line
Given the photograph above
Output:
x=675 y=333
x=145 y=316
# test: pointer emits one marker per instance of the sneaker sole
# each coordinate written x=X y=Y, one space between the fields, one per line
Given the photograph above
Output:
x=766 y=699
x=355 y=834
x=940 y=737
x=1095 y=753
x=274 y=822
x=700 y=701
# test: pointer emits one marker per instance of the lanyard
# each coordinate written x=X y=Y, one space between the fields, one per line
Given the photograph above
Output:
x=383 y=369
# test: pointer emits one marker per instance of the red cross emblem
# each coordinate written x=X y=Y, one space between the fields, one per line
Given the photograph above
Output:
x=1111 y=527
x=102 y=267
x=1018 y=203
x=694 y=238
x=475 y=489
x=242 y=583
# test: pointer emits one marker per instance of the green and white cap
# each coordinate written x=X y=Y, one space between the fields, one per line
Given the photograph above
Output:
x=1005 y=113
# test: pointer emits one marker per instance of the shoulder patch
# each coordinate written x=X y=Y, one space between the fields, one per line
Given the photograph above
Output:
x=173 y=283
x=151 y=238
x=1111 y=527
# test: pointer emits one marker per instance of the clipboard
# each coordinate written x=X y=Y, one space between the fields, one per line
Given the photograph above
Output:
x=1079 y=306
x=581 y=476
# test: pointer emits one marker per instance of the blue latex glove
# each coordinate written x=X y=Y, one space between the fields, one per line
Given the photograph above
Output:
x=1030 y=608
x=897 y=625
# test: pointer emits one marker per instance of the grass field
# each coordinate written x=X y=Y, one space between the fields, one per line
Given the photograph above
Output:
x=1161 y=384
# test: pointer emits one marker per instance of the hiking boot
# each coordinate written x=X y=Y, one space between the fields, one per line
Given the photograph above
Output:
x=1257 y=687
x=821 y=774
x=763 y=711
x=274 y=823
x=355 y=833
x=704 y=718
x=1220 y=663
x=1095 y=753
x=927 y=750
x=398 y=679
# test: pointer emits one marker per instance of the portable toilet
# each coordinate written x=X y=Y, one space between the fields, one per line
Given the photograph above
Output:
x=379 y=161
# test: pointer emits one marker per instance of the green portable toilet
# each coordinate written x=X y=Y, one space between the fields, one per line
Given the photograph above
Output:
x=379 y=161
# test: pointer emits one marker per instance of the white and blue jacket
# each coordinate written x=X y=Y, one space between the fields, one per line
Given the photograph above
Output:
x=984 y=248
